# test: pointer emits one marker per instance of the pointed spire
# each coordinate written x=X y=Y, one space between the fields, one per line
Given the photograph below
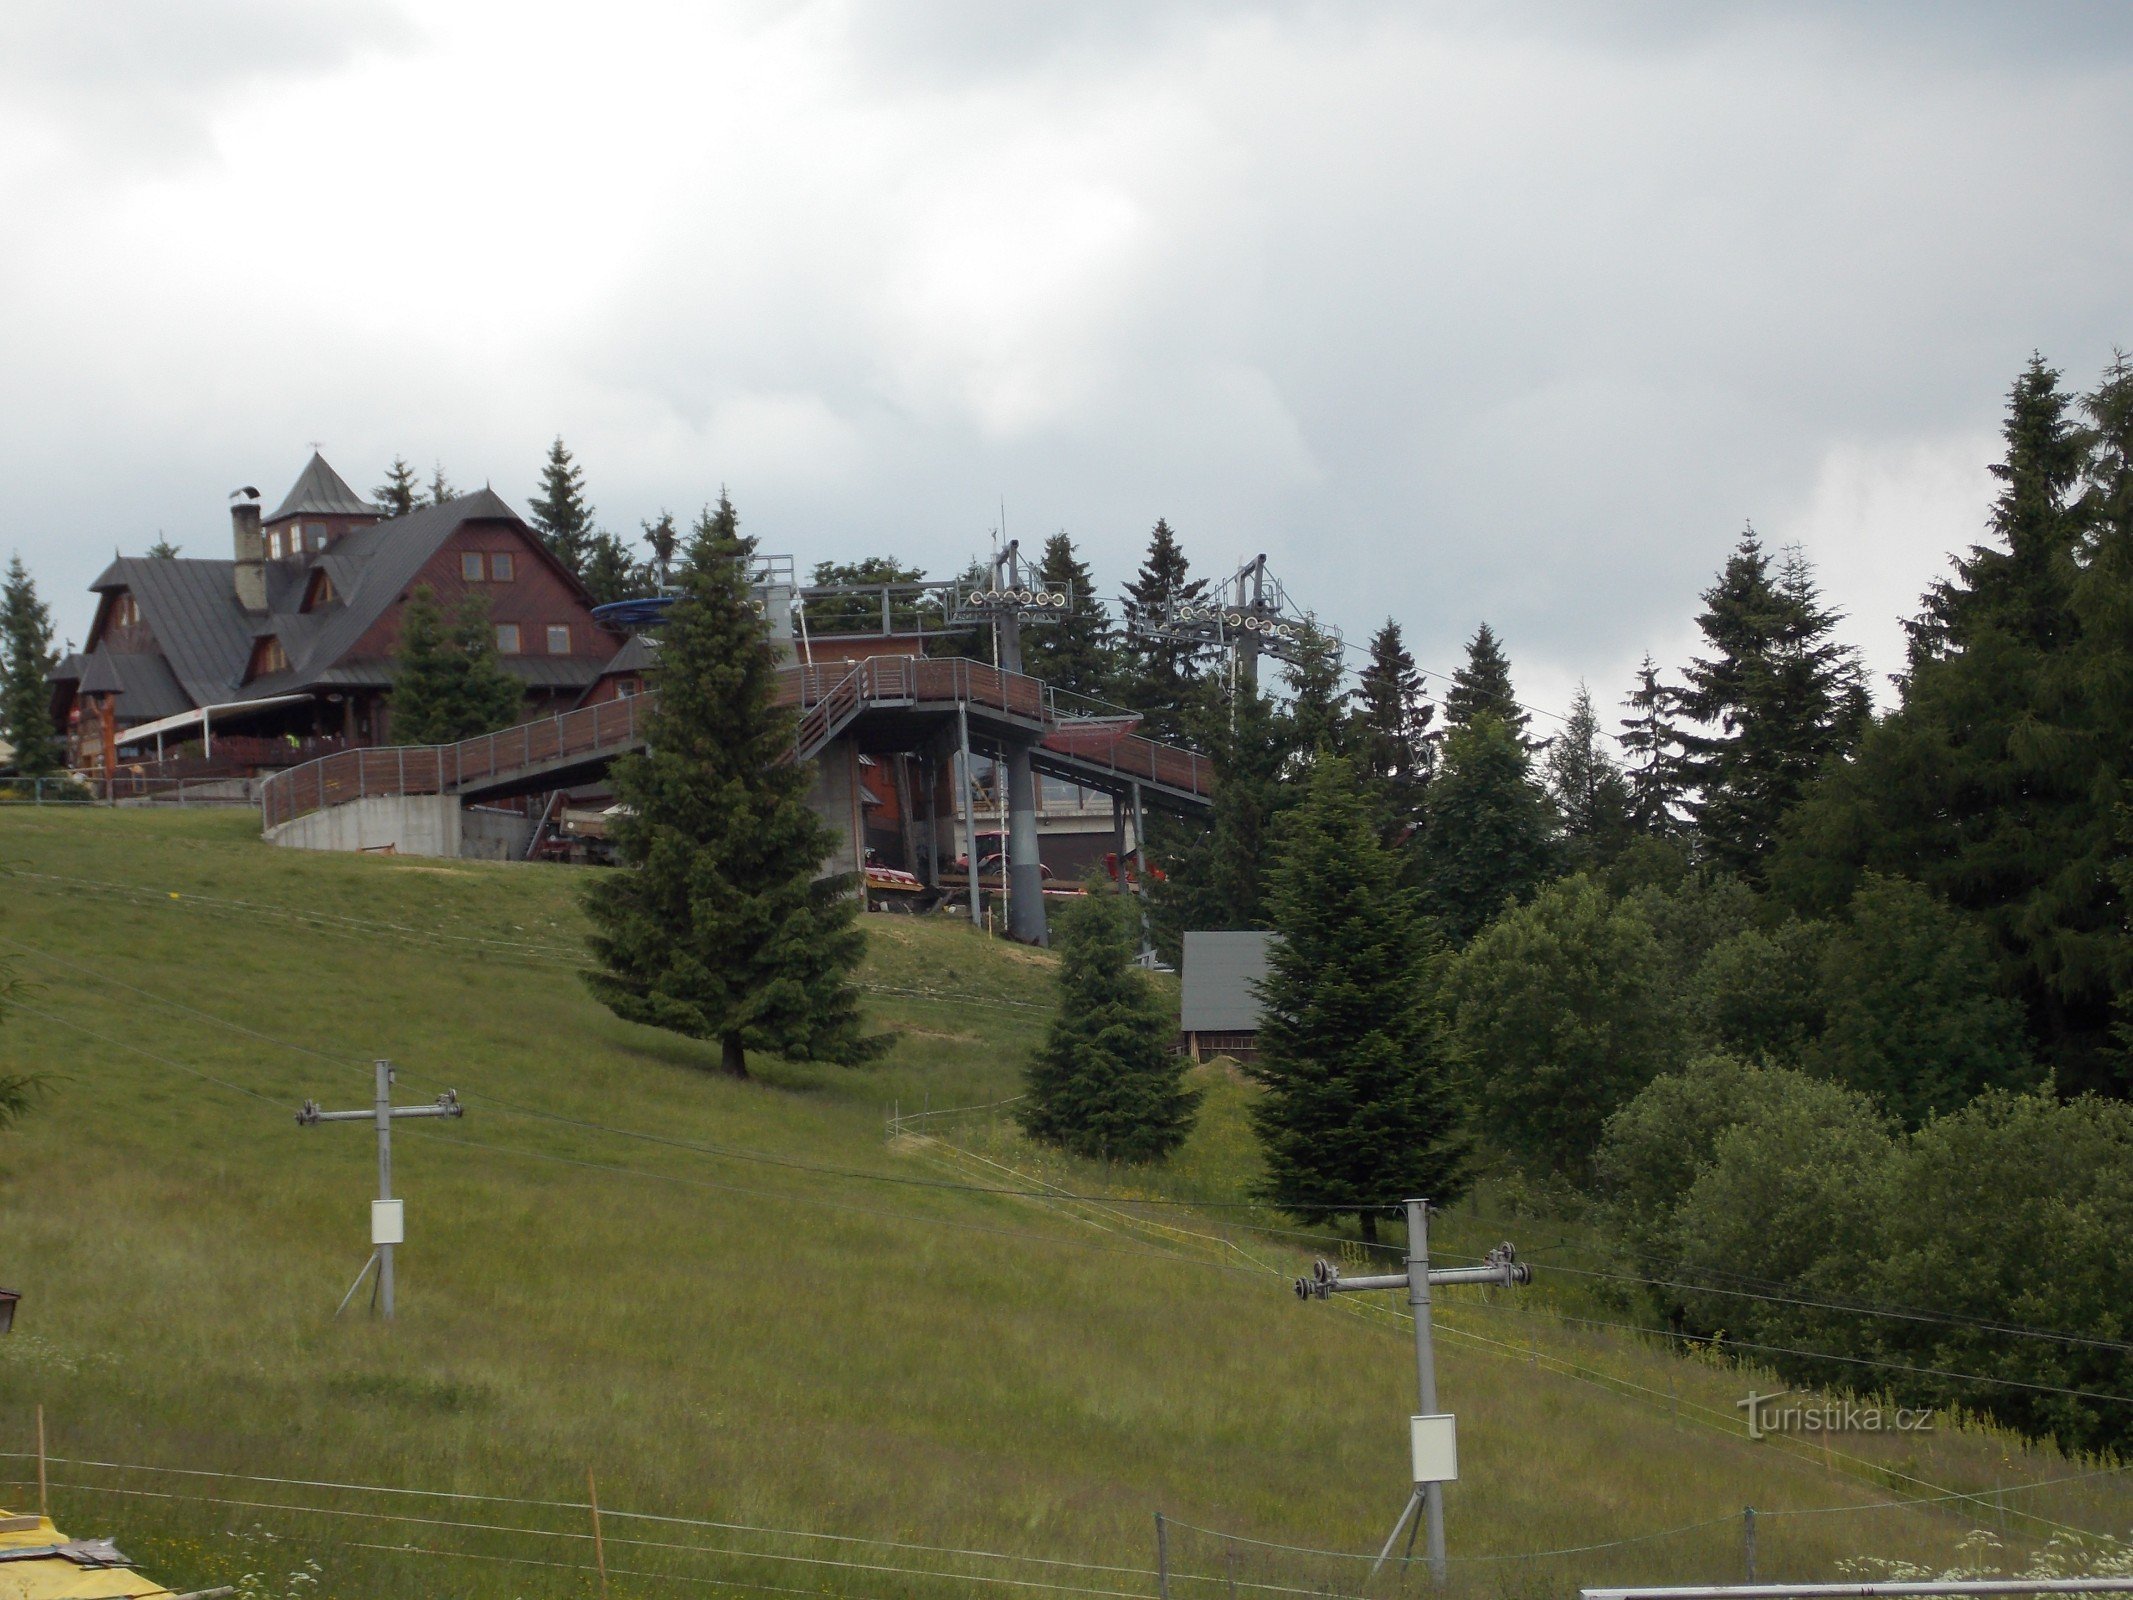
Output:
x=321 y=491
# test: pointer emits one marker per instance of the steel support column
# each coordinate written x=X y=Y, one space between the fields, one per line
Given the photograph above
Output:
x=1025 y=875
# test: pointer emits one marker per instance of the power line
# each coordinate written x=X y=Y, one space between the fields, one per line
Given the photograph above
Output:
x=1729 y=1342
x=124 y=1044
x=1764 y=1285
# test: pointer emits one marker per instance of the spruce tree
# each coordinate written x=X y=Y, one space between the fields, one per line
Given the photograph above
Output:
x=561 y=514
x=1108 y=1081
x=1156 y=675
x=398 y=494
x=428 y=673
x=1591 y=796
x=1779 y=696
x=26 y=656
x=1212 y=877
x=1653 y=745
x=440 y=490
x=489 y=697
x=611 y=573
x=1483 y=684
x=449 y=682
x=1074 y=652
x=1315 y=721
x=1485 y=839
x=717 y=925
x=664 y=541
x=163 y=549
x=1987 y=783
x=1393 y=714
x=1359 y=1110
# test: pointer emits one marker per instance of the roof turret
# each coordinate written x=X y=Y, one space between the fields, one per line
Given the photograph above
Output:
x=321 y=491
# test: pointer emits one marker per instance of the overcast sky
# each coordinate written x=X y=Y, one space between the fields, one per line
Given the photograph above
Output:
x=1458 y=312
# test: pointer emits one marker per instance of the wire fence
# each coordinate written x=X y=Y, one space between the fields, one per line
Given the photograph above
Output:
x=564 y=1542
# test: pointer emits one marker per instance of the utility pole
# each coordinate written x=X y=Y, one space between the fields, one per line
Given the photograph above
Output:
x=1432 y=1435
x=388 y=1221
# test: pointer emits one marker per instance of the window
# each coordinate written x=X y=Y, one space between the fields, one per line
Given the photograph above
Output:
x=507 y=638
x=272 y=657
x=318 y=535
x=470 y=566
x=625 y=688
x=500 y=567
x=559 y=638
x=274 y=545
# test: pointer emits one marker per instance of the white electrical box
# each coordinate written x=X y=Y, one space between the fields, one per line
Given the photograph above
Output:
x=388 y=1225
x=1436 y=1447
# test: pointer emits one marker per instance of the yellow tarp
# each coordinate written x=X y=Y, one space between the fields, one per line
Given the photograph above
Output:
x=55 y=1577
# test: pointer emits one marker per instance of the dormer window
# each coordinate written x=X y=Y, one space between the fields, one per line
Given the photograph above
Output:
x=272 y=658
x=320 y=593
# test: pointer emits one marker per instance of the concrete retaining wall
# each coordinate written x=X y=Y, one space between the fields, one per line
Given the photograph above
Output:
x=410 y=825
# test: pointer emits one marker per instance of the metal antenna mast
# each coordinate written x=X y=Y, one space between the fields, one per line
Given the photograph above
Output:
x=388 y=1221
x=1432 y=1435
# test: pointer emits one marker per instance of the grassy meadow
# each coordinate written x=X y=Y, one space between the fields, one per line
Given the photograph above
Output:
x=801 y=1350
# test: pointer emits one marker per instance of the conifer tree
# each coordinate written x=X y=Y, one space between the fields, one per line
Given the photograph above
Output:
x=489 y=697
x=398 y=494
x=1780 y=696
x=1214 y=879
x=1591 y=796
x=163 y=549
x=26 y=656
x=610 y=573
x=1075 y=652
x=1653 y=745
x=1315 y=721
x=1108 y=1081
x=428 y=673
x=449 y=683
x=561 y=514
x=1157 y=674
x=717 y=925
x=440 y=490
x=1986 y=784
x=664 y=540
x=1485 y=839
x=1394 y=712
x=1483 y=684
x=1359 y=1110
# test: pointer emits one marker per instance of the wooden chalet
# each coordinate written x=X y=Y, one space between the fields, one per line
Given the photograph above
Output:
x=286 y=650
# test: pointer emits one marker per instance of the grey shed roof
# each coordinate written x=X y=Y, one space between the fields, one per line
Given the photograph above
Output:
x=321 y=490
x=1215 y=989
x=641 y=654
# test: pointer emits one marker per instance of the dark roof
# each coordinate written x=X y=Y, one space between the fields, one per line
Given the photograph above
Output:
x=324 y=492
x=143 y=683
x=67 y=669
x=191 y=608
x=641 y=654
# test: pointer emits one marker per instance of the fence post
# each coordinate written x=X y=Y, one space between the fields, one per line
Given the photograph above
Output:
x=1747 y=1539
x=1162 y=1535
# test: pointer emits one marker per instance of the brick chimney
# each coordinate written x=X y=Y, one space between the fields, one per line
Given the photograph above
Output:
x=251 y=550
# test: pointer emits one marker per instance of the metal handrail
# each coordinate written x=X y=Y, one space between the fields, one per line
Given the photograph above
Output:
x=826 y=703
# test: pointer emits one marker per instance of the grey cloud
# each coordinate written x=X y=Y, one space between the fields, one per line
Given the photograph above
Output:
x=138 y=82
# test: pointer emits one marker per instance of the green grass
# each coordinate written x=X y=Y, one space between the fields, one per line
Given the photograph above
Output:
x=720 y=1333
